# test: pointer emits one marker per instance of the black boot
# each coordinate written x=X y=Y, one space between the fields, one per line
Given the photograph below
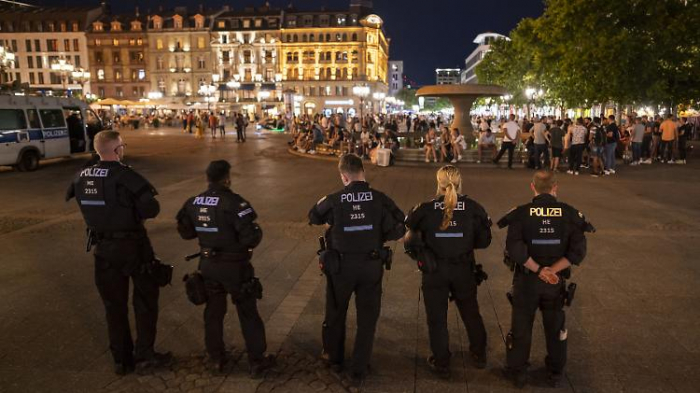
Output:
x=259 y=367
x=156 y=360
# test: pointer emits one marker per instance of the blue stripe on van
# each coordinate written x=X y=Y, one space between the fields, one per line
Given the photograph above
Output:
x=35 y=135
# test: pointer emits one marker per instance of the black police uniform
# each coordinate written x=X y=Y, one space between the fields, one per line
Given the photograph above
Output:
x=453 y=248
x=114 y=201
x=361 y=219
x=545 y=230
x=225 y=225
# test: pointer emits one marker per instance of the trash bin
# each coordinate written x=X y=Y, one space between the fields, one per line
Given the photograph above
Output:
x=383 y=157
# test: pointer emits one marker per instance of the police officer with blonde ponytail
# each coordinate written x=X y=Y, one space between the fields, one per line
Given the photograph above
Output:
x=442 y=236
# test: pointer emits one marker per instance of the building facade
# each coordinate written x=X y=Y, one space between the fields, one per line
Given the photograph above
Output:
x=483 y=42
x=117 y=46
x=40 y=37
x=395 y=77
x=179 y=56
x=324 y=55
x=246 y=55
x=447 y=76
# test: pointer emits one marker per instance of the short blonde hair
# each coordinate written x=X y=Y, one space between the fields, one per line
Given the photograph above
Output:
x=104 y=139
x=544 y=182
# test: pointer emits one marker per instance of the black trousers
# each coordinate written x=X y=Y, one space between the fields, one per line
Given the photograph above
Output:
x=239 y=134
x=222 y=279
x=530 y=293
x=575 y=156
x=113 y=286
x=456 y=280
x=364 y=278
x=510 y=146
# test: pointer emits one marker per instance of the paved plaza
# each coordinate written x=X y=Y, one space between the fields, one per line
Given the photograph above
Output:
x=633 y=326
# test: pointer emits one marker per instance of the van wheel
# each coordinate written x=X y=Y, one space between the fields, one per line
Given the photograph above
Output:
x=29 y=161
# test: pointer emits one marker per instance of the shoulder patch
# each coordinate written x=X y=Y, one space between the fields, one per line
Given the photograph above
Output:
x=580 y=215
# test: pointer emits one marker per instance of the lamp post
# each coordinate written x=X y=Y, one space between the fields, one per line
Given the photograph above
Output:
x=64 y=67
x=7 y=61
x=362 y=92
x=208 y=90
x=379 y=96
x=82 y=77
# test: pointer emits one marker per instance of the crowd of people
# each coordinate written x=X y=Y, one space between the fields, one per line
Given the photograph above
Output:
x=591 y=143
x=339 y=134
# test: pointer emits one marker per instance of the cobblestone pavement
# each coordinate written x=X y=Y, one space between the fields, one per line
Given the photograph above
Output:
x=632 y=328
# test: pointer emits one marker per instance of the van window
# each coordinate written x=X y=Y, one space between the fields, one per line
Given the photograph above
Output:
x=52 y=118
x=12 y=119
x=33 y=117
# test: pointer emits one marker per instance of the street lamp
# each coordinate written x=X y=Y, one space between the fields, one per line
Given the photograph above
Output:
x=379 y=96
x=64 y=67
x=207 y=90
x=234 y=85
x=362 y=92
x=82 y=77
x=7 y=61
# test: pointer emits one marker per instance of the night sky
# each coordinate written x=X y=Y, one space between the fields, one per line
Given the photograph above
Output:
x=425 y=34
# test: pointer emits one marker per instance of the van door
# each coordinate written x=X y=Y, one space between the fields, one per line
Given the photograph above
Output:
x=55 y=131
x=13 y=135
x=34 y=129
x=76 y=129
x=93 y=125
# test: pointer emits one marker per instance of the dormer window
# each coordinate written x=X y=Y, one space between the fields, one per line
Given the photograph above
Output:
x=98 y=26
x=199 y=21
x=340 y=20
x=116 y=26
x=157 y=22
x=221 y=24
x=292 y=22
x=325 y=20
x=308 y=20
x=136 y=25
x=258 y=23
x=177 y=22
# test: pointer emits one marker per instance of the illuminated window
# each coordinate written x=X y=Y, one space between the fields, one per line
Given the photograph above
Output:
x=115 y=42
x=221 y=24
x=258 y=23
x=159 y=44
x=136 y=25
x=200 y=43
x=97 y=26
x=101 y=74
x=116 y=26
x=177 y=22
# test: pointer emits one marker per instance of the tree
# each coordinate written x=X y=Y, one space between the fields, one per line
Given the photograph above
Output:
x=582 y=52
x=408 y=96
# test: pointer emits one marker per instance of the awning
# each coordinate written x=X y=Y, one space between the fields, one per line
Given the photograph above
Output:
x=247 y=86
x=268 y=86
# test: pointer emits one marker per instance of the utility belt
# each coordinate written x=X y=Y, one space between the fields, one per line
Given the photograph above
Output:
x=134 y=235
x=224 y=256
x=330 y=260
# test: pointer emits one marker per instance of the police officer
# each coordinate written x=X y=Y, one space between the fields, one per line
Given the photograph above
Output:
x=545 y=237
x=442 y=235
x=115 y=201
x=224 y=223
x=361 y=219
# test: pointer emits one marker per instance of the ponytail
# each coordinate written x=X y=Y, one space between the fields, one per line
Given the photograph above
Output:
x=449 y=184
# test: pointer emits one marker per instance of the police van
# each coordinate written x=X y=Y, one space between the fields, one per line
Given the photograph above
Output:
x=36 y=128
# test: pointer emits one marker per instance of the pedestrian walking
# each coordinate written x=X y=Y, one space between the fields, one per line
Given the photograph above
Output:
x=361 y=220
x=510 y=137
x=114 y=201
x=545 y=237
x=222 y=124
x=213 y=124
x=442 y=236
x=224 y=225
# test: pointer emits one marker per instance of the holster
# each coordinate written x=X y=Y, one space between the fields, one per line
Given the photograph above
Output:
x=195 y=289
x=252 y=288
x=161 y=273
x=507 y=261
x=330 y=261
x=569 y=294
x=427 y=262
x=386 y=254
x=479 y=274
